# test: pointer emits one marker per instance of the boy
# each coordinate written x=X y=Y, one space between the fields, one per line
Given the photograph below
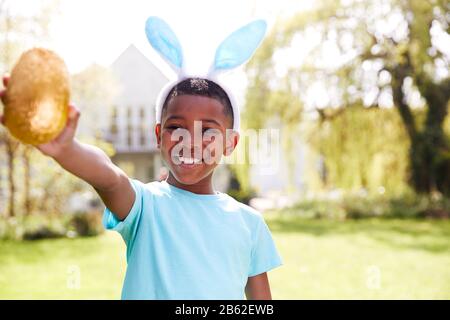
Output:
x=184 y=240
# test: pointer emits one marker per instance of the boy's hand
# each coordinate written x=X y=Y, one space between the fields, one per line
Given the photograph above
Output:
x=2 y=92
x=64 y=139
x=90 y=164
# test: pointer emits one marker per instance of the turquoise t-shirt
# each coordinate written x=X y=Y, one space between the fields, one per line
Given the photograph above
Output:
x=182 y=245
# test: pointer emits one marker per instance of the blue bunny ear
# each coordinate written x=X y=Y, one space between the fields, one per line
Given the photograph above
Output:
x=164 y=41
x=239 y=46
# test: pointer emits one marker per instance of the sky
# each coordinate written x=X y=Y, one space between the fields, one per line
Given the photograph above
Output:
x=84 y=32
x=98 y=31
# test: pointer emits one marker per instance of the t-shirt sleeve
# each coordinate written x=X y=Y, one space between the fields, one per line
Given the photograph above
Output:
x=127 y=227
x=264 y=256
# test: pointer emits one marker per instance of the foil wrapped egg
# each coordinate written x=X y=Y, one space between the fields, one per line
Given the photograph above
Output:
x=37 y=97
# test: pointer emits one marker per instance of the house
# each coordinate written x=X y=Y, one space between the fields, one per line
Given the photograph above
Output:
x=133 y=115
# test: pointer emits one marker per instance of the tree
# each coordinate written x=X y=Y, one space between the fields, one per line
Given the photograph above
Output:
x=93 y=91
x=356 y=153
x=374 y=53
x=19 y=31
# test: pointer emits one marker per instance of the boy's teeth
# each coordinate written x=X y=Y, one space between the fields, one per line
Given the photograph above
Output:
x=189 y=160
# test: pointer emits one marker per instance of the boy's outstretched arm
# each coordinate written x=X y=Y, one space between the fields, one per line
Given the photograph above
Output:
x=90 y=164
x=258 y=288
x=93 y=166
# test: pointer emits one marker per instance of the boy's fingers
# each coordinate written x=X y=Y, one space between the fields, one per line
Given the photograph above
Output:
x=5 y=80
x=74 y=112
x=74 y=115
x=2 y=95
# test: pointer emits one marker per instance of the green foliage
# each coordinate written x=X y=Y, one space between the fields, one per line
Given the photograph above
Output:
x=93 y=92
x=365 y=53
x=21 y=30
x=280 y=109
x=236 y=190
x=39 y=186
x=50 y=185
x=362 y=148
x=242 y=195
x=86 y=224
x=406 y=206
x=45 y=226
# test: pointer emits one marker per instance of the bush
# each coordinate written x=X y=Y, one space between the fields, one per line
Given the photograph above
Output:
x=357 y=207
x=37 y=227
x=241 y=195
x=43 y=232
x=318 y=209
x=86 y=224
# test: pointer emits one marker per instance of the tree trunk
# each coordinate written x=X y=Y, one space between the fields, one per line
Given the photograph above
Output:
x=430 y=163
x=432 y=145
x=429 y=150
x=11 y=147
x=27 y=180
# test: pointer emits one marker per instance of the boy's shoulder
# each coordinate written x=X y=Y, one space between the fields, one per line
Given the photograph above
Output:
x=155 y=187
x=246 y=208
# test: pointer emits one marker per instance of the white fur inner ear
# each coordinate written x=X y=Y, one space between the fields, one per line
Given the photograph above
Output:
x=165 y=42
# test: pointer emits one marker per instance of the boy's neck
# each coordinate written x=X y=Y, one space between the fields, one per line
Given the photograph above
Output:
x=202 y=187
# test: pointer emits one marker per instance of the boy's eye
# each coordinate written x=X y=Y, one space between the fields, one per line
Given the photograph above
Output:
x=211 y=133
x=172 y=127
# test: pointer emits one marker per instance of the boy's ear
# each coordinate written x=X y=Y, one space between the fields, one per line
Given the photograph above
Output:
x=232 y=140
x=158 y=135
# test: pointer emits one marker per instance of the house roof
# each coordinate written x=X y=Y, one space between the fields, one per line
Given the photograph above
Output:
x=139 y=78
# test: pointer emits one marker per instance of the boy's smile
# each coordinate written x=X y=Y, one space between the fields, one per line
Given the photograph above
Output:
x=192 y=137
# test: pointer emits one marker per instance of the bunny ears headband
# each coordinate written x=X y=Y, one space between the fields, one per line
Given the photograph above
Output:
x=234 y=51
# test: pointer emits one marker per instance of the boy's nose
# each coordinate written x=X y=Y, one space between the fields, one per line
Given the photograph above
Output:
x=193 y=151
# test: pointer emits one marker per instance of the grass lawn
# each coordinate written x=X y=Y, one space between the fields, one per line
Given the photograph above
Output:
x=359 y=259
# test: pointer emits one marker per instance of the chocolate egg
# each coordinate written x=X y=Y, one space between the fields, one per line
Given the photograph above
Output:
x=37 y=97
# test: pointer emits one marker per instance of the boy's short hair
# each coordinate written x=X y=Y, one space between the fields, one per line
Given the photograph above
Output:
x=201 y=87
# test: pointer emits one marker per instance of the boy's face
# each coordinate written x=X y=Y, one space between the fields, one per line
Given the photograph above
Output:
x=193 y=136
